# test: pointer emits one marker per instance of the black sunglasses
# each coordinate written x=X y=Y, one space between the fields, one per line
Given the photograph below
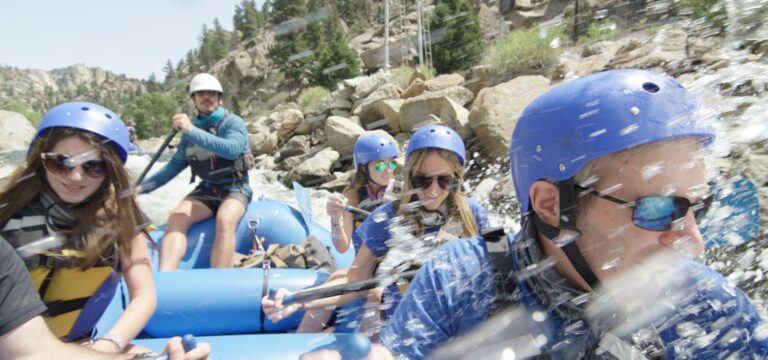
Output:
x=657 y=212
x=446 y=182
x=62 y=164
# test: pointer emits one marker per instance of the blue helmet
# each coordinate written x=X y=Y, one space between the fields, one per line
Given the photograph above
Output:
x=437 y=136
x=90 y=117
x=574 y=123
x=374 y=146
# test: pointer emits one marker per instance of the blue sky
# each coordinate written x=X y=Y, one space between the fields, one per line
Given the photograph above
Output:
x=132 y=37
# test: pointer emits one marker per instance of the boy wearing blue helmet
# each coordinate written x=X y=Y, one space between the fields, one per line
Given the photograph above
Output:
x=610 y=176
x=432 y=209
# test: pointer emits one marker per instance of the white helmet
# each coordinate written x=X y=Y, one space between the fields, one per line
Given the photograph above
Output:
x=204 y=81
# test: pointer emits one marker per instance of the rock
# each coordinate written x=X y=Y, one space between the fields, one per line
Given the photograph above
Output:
x=444 y=81
x=496 y=110
x=297 y=145
x=491 y=22
x=479 y=77
x=417 y=74
x=361 y=39
x=591 y=58
x=386 y=91
x=262 y=140
x=341 y=134
x=381 y=113
x=340 y=181
x=415 y=88
x=316 y=167
x=15 y=130
x=264 y=162
x=289 y=121
x=365 y=85
x=422 y=110
x=667 y=51
x=373 y=58
x=338 y=99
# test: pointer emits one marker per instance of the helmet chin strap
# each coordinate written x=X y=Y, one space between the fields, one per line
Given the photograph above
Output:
x=567 y=222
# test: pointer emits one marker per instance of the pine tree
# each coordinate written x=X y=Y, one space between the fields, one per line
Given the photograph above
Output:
x=333 y=59
x=459 y=45
x=169 y=70
x=289 y=52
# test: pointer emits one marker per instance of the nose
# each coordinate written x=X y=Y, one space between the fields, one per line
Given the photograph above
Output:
x=432 y=184
x=684 y=235
x=76 y=174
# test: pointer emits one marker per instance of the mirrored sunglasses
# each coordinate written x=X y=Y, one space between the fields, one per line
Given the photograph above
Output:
x=62 y=164
x=380 y=166
x=657 y=212
x=446 y=182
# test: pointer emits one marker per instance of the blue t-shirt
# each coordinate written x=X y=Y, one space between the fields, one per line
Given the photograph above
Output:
x=374 y=232
x=453 y=293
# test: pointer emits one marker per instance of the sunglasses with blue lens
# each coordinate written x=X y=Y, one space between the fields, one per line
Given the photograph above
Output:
x=380 y=166
x=657 y=212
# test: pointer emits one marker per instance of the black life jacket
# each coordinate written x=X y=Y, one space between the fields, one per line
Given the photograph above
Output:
x=46 y=235
x=213 y=168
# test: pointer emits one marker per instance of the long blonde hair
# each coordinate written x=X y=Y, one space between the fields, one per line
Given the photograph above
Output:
x=457 y=204
x=109 y=216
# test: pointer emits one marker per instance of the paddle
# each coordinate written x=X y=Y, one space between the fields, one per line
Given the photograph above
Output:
x=305 y=205
x=355 y=210
x=187 y=341
x=320 y=293
x=156 y=156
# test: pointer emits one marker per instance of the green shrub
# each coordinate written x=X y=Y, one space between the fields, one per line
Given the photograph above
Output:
x=19 y=107
x=523 y=51
x=601 y=30
x=312 y=97
x=401 y=75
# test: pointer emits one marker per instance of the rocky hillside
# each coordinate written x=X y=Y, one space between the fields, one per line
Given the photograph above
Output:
x=39 y=90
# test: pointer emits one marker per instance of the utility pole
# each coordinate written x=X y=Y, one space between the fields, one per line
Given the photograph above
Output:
x=420 y=33
x=386 y=35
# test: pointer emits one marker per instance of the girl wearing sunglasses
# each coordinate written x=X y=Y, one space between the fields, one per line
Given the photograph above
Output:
x=432 y=209
x=374 y=155
x=67 y=214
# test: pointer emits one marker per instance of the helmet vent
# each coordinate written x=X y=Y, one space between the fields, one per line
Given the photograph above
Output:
x=84 y=108
x=108 y=116
x=651 y=87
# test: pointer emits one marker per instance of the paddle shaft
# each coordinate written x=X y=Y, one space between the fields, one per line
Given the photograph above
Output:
x=156 y=156
x=324 y=292
x=187 y=341
x=355 y=210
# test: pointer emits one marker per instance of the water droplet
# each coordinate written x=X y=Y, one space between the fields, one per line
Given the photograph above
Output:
x=634 y=111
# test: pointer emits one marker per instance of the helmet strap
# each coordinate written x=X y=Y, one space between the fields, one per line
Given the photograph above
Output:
x=567 y=222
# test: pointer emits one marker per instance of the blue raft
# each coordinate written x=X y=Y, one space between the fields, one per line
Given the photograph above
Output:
x=223 y=306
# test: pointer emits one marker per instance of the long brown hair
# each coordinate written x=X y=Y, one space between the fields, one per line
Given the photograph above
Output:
x=457 y=204
x=109 y=216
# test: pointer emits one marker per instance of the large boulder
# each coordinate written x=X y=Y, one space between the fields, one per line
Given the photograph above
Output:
x=15 y=130
x=443 y=82
x=288 y=120
x=496 y=110
x=315 y=167
x=434 y=107
x=261 y=139
x=381 y=113
x=365 y=85
x=415 y=88
x=338 y=99
x=341 y=134
x=297 y=145
x=385 y=91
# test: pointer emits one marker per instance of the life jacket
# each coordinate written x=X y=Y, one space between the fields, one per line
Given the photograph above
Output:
x=44 y=234
x=213 y=168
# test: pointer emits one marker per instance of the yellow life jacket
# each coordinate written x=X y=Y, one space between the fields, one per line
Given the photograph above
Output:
x=54 y=268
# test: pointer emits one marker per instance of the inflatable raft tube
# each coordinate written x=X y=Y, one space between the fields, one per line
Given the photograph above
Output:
x=276 y=222
x=206 y=302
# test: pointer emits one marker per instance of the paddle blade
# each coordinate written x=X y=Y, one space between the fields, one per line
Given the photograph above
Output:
x=735 y=214
x=305 y=205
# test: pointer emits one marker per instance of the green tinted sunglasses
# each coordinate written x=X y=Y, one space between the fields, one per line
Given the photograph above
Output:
x=382 y=165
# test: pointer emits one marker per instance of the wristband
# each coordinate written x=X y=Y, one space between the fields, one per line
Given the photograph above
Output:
x=118 y=342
